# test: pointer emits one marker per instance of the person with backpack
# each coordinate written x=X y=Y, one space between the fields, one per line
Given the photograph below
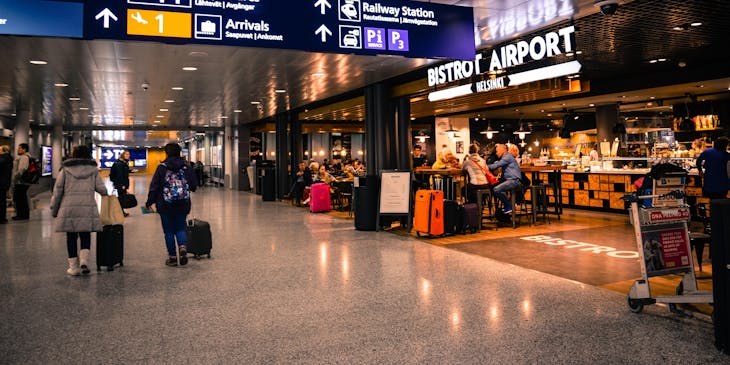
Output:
x=119 y=176
x=74 y=204
x=169 y=191
x=20 y=186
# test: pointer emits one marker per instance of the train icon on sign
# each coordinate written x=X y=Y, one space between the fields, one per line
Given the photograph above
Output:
x=349 y=10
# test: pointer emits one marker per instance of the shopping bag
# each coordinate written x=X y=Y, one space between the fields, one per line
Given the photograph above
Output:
x=111 y=211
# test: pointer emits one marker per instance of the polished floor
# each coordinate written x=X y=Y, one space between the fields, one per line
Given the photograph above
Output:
x=288 y=287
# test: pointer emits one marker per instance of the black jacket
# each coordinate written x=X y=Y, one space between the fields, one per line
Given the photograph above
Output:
x=6 y=172
x=119 y=174
x=157 y=185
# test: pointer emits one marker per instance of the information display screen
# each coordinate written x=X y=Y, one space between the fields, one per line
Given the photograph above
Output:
x=46 y=161
x=41 y=18
x=138 y=157
x=393 y=27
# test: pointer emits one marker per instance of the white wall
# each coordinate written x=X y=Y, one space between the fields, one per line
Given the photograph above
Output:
x=460 y=124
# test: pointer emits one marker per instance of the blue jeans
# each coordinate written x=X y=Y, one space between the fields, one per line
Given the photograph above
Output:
x=173 y=224
x=501 y=188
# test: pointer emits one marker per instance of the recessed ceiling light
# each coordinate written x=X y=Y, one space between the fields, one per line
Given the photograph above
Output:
x=653 y=61
x=177 y=88
x=591 y=104
x=578 y=52
x=205 y=125
x=74 y=99
x=569 y=54
x=662 y=59
x=159 y=116
x=237 y=111
x=623 y=96
x=542 y=110
x=563 y=104
x=155 y=121
x=280 y=91
x=550 y=114
x=223 y=117
x=318 y=74
x=700 y=86
x=677 y=28
x=169 y=101
x=38 y=62
x=163 y=109
x=255 y=102
x=83 y=108
x=696 y=24
x=190 y=68
x=12 y=115
x=652 y=97
x=60 y=84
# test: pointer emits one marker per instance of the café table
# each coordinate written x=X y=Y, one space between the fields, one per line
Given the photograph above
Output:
x=556 y=171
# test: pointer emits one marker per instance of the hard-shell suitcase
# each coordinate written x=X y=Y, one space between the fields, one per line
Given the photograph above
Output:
x=446 y=184
x=110 y=247
x=200 y=239
x=319 y=200
x=428 y=216
x=452 y=217
x=470 y=218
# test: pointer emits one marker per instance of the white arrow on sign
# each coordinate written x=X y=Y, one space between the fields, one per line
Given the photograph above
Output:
x=106 y=13
x=108 y=154
x=322 y=5
x=324 y=32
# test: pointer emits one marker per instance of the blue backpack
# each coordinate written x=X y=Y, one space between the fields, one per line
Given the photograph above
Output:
x=176 y=185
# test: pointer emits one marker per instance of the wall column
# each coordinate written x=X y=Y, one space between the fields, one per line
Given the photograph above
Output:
x=21 y=133
x=281 y=121
x=230 y=159
x=380 y=133
x=606 y=119
x=244 y=157
x=57 y=145
x=403 y=136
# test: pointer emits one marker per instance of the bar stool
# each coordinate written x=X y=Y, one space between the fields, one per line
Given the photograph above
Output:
x=482 y=196
x=520 y=206
x=539 y=200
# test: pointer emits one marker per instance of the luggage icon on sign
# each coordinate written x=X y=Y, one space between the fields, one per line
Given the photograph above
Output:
x=207 y=27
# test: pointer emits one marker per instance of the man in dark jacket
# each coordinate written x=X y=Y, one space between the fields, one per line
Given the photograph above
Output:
x=20 y=187
x=170 y=191
x=119 y=176
x=712 y=167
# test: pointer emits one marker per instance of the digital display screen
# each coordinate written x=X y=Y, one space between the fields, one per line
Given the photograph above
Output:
x=46 y=161
x=138 y=157
x=379 y=27
x=41 y=18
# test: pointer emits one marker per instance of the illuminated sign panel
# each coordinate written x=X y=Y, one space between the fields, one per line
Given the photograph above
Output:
x=41 y=18
x=405 y=28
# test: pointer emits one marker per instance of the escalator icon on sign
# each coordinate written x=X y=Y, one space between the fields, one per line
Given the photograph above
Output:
x=208 y=26
x=349 y=10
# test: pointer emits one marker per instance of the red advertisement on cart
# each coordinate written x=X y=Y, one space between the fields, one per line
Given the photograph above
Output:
x=666 y=250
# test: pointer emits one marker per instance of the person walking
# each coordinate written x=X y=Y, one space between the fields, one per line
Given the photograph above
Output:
x=6 y=175
x=119 y=176
x=169 y=191
x=20 y=187
x=511 y=175
x=74 y=204
x=712 y=166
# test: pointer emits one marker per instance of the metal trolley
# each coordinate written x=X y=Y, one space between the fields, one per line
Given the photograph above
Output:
x=663 y=244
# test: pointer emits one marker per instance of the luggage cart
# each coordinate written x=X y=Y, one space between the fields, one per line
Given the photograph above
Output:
x=662 y=241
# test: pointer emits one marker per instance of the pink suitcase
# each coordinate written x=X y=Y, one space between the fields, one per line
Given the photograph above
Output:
x=320 y=198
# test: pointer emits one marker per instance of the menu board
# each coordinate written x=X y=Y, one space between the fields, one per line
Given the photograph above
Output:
x=393 y=27
x=395 y=192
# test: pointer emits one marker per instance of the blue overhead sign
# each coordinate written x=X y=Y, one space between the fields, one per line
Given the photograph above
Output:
x=41 y=18
x=405 y=28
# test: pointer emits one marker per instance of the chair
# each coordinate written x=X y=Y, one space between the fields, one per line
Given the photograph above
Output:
x=344 y=195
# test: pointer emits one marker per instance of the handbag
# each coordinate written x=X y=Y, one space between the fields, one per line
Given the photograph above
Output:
x=129 y=201
x=111 y=211
x=490 y=177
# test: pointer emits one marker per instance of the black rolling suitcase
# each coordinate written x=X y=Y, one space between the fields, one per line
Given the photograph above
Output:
x=110 y=247
x=470 y=218
x=452 y=217
x=200 y=240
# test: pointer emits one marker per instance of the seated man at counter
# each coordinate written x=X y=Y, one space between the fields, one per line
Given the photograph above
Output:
x=475 y=167
x=511 y=175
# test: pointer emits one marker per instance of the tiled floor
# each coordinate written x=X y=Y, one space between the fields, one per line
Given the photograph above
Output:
x=287 y=286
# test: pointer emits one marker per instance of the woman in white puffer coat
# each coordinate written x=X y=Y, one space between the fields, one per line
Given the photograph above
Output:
x=74 y=204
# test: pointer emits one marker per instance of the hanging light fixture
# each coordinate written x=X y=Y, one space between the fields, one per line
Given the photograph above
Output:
x=522 y=132
x=451 y=132
x=489 y=132
x=421 y=137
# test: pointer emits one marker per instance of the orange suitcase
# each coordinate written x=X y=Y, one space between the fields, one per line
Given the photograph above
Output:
x=428 y=216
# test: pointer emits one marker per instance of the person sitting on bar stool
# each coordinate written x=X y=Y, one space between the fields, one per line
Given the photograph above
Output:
x=475 y=166
x=511 y=174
